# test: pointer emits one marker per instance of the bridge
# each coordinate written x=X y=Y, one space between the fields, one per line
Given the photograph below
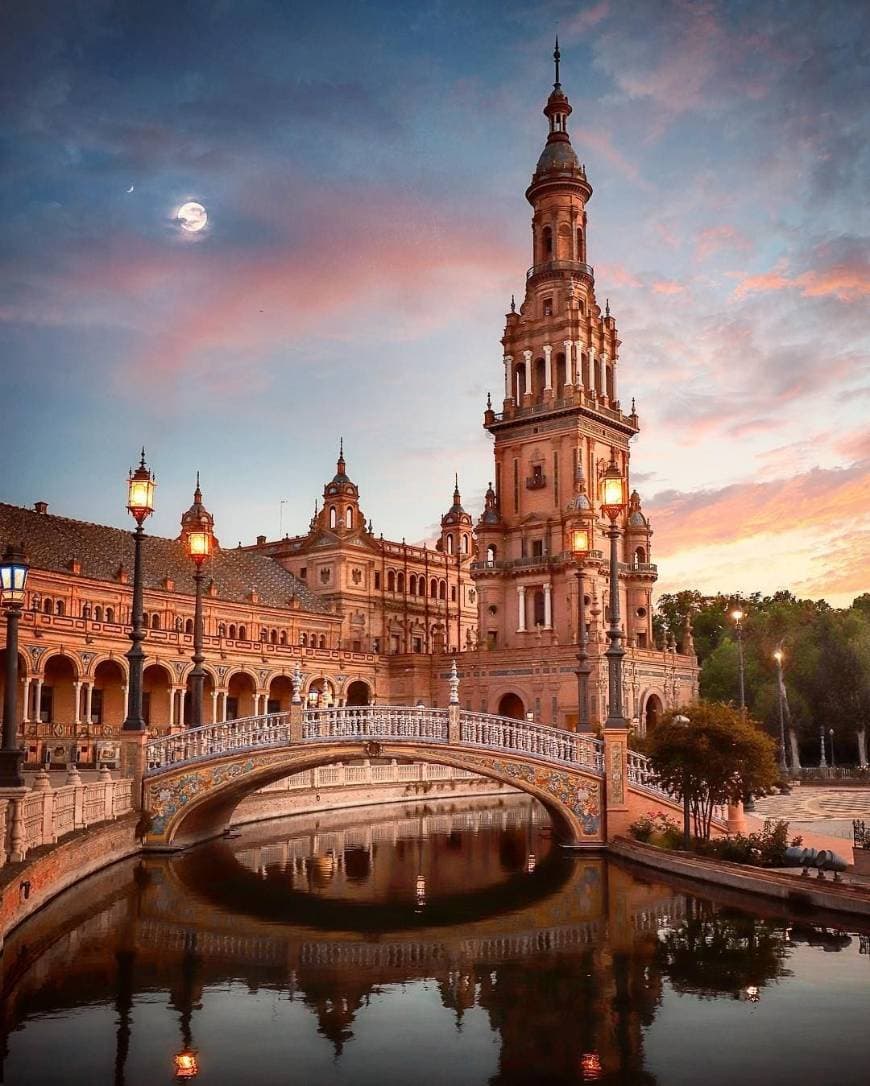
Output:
x=193 y=780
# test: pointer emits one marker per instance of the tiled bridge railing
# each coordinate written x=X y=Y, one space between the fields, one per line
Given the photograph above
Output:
x=44 y=815
x=394 y=724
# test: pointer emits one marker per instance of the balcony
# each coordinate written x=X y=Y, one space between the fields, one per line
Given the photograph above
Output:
x=536 y=482
x=573 y=267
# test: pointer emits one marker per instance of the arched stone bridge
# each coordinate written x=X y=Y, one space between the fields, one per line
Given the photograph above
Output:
x=192 y=781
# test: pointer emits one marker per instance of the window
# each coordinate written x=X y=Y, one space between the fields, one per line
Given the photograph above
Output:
x=418 y=644
x=110 y=614
x=348 y=517
x=641 y=639
x=333 y=517
x=377 y=581
x=232 y=631
x=98 y=614
x=59 y=607
x=537 y=548
x=539 y=608
x=243 y=633
x=46 y=705
x=453 y=593
x=491 y=554
x=421 y=587
x=303 y=640
x=492 y=639
x=86 y=610
x=282 y=640
x=376 y=644
x=48 y=606
x=547 y=240
x=325 y=575
x=222 y=629
x=442 y=590
x=391 y=581
x=464 y=544
x=264 y=634
x=548 y=307
x=400 y=583
x=412 y=585
x=273 y=637
x=303 y=573
x=322 y=641
x=96 y=706
x=433 y=588
x=450 y=544
x=394 y=643
x=155 y=621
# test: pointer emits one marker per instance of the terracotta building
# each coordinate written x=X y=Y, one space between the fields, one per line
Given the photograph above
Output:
x=368 y=619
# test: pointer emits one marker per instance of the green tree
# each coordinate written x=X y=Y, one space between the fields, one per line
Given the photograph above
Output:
x=717 y=758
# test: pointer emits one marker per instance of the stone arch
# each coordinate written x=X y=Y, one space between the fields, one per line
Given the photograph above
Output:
x=195 y=802
x=320 y=692
x=157 y=684
x=512 y=705
x=280 y=693
x=653 y=708
x=61 y=671
x=358 y=692
x=107 y=696
x=242 y=689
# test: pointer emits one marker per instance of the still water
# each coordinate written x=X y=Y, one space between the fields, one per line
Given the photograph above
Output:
x=426 y=944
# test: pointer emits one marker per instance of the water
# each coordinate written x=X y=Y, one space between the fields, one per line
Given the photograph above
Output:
x=445 y=943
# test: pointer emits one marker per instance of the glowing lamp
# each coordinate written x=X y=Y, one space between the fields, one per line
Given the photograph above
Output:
x=140 y=491
x=737 y=614
x=186 y=1065
x=580 y=542
x=199 y=545
x=611 y=490
x=778 y=656
x=13 y=575
x=752 y=994
x=590 y=1066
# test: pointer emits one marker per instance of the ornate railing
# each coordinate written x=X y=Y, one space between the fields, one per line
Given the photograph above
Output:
x=395 y=724
x=642 y=775
x=523 y=737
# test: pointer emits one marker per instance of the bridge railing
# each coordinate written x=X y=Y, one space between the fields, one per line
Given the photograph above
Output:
x=524 y=737
x=642 y=775
x=395 y=723
x=195 y=744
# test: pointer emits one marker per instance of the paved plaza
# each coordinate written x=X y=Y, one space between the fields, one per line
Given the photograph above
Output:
x=819 y=810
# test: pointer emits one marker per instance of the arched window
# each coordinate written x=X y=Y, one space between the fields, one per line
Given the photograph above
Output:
x=303 y=640
x=412 y=585
x=433 y=588
x=639 y=556
x=155 y=621
x=400 y=582
x=98 y=614
x=86 y=610
x=333 y=517
x=264 y=634
x=491 y=552
x=464 y=543
x=442 y=590
x=243 y=633
x=539 y=608
x=450 y=544
x=282 y=640
x=48 y=606
x=421 y=587
x=222 y=629
x=273 y=637
x=232 y=631
x=59 y=607
x=322 y=641
x=547 y=243
x=188 y=626
x=110 y=614
x=579 y=244
x=179 y=623
x=348 y=517
x=453 y=593
x=391 y=581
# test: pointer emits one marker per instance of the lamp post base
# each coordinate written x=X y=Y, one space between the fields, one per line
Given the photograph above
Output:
x=10 y=769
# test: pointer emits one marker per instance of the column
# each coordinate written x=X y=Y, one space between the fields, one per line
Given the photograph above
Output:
x=26 y=716
x=223 y=713
x=89 y=702
x=578 y=356
x=548 y=606
x=602 y=376
x=172 y=709
x=527 y=366
x=592 y=369
x=615 y=392
x=126 y=693
x=521 y=608
x=214 y=697
x=78 y=689
x=548 y=368
x=569 y=367
x=181 y=708
x=508 y=363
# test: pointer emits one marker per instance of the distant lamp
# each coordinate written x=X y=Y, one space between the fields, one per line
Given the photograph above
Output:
x=752 y=993
x=737 y=614
x=778 y=655
x=580 y=542
x=531 y=862
x=611 y=490
x=186 y=1065
x=140 y=492
x=13 y=576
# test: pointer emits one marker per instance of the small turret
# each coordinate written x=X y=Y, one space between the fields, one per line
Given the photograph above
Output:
x=456 y=527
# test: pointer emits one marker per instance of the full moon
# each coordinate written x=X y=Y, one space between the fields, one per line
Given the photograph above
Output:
x=192 y=217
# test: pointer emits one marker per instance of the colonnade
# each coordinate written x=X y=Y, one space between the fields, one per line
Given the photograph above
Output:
x=593 y=376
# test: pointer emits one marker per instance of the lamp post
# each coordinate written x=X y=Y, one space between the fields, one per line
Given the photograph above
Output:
x=737 y=615
x=580 y=546
x=197 y=528
x=683 y=722
x=13 y=579
x=140 y=503
x=783 y=763
x=822 y=762
x=612 y=493
x=831 y=747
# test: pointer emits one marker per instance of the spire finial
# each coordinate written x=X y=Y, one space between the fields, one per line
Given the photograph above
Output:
x=607 y=308
x=197 y=494
x=142 y=461
x=341 y=447
x=489 y=401
x=513 y=304
x=557 y=56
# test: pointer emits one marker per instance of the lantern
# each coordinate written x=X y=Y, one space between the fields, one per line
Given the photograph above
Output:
x=612 y=490
x=580 y=542
x=140 y=491
x=199 y=544
x=13 y=575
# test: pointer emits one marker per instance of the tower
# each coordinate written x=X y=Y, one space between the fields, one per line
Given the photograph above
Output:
x=341 y=512
x=560 y=419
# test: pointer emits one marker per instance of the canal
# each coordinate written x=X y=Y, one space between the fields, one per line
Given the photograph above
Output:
x=449 y=942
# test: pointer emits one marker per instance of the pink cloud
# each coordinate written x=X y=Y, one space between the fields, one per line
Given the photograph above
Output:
x=602 y=144
x=716 y=238
x=847 y=280
x=587 y=18
x=667 y=286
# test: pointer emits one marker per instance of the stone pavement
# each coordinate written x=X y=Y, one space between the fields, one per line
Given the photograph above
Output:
x=818 y=810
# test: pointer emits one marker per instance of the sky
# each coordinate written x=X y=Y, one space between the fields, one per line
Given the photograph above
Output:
x=363 y=168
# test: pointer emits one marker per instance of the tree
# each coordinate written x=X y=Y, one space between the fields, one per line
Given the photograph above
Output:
x=717 y=758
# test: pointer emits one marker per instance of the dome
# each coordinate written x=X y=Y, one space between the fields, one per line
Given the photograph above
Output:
x=557 y=156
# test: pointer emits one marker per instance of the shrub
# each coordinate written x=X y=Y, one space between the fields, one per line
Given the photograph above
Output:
x=657 y=828
x=764 y=849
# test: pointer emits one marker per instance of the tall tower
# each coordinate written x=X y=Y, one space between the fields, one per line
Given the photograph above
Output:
x=561 y=418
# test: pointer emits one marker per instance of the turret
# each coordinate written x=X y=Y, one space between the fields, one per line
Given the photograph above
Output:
x=456 y=527
x=341 y=511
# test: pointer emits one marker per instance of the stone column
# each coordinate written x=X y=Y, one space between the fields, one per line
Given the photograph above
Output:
x=602 y=376
x=89 y=702
x=527 y=367
x=548 y=606
x=521 y=608
x=508 y=365
x=548 y=368
x=78 y=713
x=25 y=719
x=578 y=362
x=214 y=697
x=172 y=708
x=569 y=365
x=592 y=367
x=181 y=708
x=126 y=693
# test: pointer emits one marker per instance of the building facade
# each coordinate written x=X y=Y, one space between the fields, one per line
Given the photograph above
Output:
x=368 y=619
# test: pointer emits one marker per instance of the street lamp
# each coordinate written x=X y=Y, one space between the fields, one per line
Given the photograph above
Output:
x=683 y=722
x=13 y=580
x=822 y=763
x=831 y=738
x=737 y=615
x=140 y=503
x=613 y=498
x=197 y=528
x=783 y=763
x=580 y=547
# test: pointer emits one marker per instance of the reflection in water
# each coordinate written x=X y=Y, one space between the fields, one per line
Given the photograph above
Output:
x=434 y=944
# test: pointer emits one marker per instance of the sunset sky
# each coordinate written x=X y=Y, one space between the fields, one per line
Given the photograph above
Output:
x=363 y=168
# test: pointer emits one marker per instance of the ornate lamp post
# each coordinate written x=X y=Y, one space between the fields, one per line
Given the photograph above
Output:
x=831 y=738
x=580 y=547
x=613 y=497
x=13 y=579
x=683 y=722
x=822 y=762
x=197 y=528
x=737 y=615
x=783 y=763
x=140 y=502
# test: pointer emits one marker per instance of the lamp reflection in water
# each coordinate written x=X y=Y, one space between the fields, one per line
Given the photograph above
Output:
x=752 y=993
x=186 y=1065
x=186 y=1061
x=590 y=1066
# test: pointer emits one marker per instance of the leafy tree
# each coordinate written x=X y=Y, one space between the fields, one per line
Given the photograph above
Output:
x=717 y=758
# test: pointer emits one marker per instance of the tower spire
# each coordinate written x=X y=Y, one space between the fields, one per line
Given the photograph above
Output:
x=557 y=56
x=341 y=463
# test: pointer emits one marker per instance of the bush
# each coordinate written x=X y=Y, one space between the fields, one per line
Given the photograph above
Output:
x=764 y=849
x=656 y=828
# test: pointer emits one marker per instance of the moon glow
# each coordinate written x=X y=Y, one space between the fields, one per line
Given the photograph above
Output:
x=192 y=217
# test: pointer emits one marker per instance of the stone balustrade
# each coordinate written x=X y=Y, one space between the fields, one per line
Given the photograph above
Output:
x=43 y=815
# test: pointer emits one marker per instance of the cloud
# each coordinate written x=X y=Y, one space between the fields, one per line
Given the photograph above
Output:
x=841 y=270
x=667 y=286
x=714 y=239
